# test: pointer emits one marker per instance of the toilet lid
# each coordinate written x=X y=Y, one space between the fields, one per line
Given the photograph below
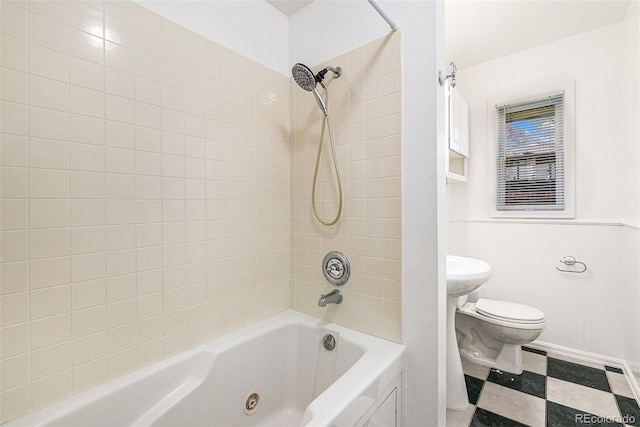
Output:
x=509 y=311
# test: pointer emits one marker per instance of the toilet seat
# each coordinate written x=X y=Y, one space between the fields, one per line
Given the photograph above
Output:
x=509 y=311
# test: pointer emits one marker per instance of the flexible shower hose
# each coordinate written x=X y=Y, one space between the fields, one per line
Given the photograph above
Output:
x=326 y=123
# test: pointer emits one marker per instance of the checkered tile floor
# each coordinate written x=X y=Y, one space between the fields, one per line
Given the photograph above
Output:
x=554 y=391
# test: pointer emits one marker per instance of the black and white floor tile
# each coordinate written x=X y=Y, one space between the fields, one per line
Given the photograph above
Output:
x=553 y=391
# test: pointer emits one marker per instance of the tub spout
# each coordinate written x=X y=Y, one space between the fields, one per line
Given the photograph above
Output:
x=333 y=297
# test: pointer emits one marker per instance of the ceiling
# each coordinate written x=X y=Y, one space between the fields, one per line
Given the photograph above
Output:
x=289 y=7
x=477 y=31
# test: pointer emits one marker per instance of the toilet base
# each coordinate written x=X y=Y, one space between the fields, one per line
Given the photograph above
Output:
x=491 y=342
x=508 y=359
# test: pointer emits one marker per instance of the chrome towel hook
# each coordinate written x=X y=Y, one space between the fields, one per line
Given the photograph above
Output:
x=569 y=260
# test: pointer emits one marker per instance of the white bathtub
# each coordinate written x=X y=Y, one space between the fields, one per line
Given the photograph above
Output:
x=282 y=358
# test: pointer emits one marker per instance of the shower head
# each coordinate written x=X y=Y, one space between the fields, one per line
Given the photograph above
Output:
x=308 y=81
x=304 y=77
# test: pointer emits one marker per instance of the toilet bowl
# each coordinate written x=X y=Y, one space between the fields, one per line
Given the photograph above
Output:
x=491 y=333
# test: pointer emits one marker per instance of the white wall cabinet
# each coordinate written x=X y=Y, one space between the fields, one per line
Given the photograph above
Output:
x=457 y=136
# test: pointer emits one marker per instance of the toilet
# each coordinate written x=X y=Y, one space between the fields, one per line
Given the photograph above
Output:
x=491 y=332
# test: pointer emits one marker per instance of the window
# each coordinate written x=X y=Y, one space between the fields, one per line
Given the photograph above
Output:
x=533 y=157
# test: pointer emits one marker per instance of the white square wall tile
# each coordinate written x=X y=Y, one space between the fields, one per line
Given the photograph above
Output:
x=13 y=182
x=87 y=212
x=121 y=135
x=48 y=213
x=86 y=18
x=14 y=21
x=89 y=375
x=48 y=63
x=51 y=330
x=47 y=93
x=173 y=166
x=14 y=246
x=14 y=118
x=48 y=153
x=120 y=83
x=121 y=262
x=148 y=115
x=45 y=123
x=14 y=371
x=149 y=258
x=48 y=390
x=86 y=46
x=13 y=86
x=86 y=74
x=120 y=109
x=148 y=163
x=89 y=321
x=87 y=240
x=87 y=185
x=89 y=347
x=121 y=287
x=50 y=301
x=15 y=308
x=121 y=313
x=121 y=212
x=148 y=211
x=119 y=160
x=88 y=294
x=148 y=234
x=47 y=183
x=13 y=53
x=14 y=214
x=173 y=188
x=50 y=360
x=88 y=267
x=15 y=402
x=120 y=186
x=15 y=277
x=85 y=129
x=13 y=150
x=148 y=187
x=121 y=237
x=14 y=340
x=58 y=11
x=48 y=33
x=49 y=272
x=87 y=102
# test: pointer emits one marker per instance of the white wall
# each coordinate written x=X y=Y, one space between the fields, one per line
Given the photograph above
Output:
x=326 y=29
x=252 y=28
x=583 y=311
x=631 y=97
x=631 y=168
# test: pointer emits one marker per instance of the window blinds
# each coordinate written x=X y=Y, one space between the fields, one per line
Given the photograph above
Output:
x=530 y=158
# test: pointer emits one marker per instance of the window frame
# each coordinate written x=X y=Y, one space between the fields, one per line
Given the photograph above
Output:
x=568 y=152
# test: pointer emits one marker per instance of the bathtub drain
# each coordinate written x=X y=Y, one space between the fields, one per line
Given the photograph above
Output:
x=252 y=403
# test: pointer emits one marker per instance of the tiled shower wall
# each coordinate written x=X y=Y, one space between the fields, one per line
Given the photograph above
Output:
x=145 y=195
x=365 y=111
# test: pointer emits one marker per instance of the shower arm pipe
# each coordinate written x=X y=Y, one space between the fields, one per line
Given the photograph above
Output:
x=384 y=14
